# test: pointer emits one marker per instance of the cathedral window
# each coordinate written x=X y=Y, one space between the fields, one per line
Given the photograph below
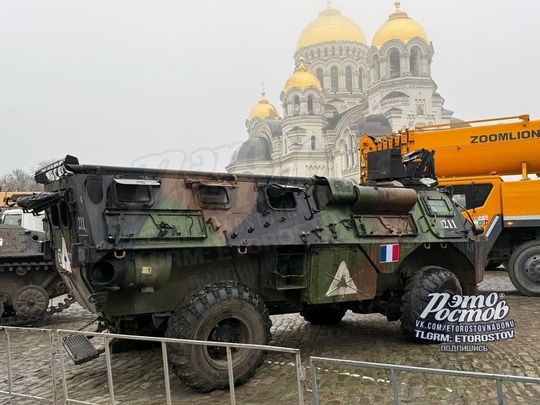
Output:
x=296 y=105
x=310 y=105
x=325 y=51
x=313 y=143
x=333 y=51
x=353 y=142
x=334 y=78
x=348 y=79
x=320 y=76
x=361 y=80
x=395 y=68
x=376 y=69
x=414 y=62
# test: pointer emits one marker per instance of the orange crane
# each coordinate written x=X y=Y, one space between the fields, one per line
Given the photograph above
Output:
x=492 y=168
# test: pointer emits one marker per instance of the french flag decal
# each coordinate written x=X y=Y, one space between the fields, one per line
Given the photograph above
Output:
x=389 y=253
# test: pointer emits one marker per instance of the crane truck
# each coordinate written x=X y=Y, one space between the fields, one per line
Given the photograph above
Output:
x=492 y=168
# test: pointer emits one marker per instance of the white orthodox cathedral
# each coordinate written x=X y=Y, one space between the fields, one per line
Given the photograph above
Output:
x=342 y=88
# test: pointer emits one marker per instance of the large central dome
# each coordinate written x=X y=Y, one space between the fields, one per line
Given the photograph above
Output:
x=330 y=26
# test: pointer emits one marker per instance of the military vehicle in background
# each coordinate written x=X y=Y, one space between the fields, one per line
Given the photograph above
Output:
x=28 y=277
x=211 y=256
x=491 y=167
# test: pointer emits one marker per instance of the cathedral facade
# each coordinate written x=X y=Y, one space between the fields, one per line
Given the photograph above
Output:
x=342 y=87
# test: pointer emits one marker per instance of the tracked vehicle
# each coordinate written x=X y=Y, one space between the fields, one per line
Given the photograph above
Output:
x=28 y=277
x=210 y=256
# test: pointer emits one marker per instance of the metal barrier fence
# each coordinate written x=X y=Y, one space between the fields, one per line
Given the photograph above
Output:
x=9 y=373
x=57 y=349
x=394 y=379
x=56 y=354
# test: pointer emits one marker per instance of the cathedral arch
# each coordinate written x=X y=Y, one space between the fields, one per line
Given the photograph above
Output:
x=334 y=80
x=376 y=66
x=310 y=105
x=342 y=157
x=296 y=105
x=320 y=75
x=395 y=65
x=348 y=79
x=414 y=61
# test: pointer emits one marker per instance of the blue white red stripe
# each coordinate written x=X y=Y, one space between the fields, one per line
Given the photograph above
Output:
x=389 y=253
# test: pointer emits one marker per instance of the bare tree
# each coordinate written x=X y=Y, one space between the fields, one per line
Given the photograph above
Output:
x=20 y=180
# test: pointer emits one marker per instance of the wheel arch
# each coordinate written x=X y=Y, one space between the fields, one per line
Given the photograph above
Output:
x=441 y=255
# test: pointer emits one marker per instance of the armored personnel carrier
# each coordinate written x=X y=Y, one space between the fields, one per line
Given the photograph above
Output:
x=210 y=256
x=28 y=277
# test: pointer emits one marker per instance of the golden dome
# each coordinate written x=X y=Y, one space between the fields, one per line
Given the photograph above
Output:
x=330 y=26
x=399 y=26
x=302 y=78
x=263 y=109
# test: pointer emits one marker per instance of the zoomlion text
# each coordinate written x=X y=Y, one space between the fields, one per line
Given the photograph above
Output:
x=505 y=136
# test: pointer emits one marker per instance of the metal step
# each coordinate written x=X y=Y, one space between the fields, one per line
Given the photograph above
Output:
x=80 y=349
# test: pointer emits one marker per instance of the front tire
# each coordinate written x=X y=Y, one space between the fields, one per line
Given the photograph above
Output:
x=227 y=312
x=524 y=268
x=425 y=281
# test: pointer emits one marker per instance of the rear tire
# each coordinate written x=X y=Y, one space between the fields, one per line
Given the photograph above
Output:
x=425 y=281
x=524 y=268
x=227 y=312
x=320 y=315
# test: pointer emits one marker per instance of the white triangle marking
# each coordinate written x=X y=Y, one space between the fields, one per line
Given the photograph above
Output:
x=342 y=284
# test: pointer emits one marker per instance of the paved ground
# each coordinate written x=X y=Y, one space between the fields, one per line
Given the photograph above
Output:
x=138 y=376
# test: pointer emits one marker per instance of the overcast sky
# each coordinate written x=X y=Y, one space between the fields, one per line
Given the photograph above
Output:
x=171 y=83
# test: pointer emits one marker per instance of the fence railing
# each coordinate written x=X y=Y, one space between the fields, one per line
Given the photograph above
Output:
x=56 y=354
x=8 y=331
x=394 y=368
x=56 y=350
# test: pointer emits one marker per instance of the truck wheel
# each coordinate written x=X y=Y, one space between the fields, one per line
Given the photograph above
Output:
x=225 y=312
x=425 y=281
x=322 y=316
x=524 y=268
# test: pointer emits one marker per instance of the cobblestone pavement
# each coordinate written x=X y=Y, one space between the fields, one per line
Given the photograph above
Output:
x=138 y=375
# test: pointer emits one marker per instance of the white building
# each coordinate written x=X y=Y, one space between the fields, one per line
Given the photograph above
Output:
x=340 y=89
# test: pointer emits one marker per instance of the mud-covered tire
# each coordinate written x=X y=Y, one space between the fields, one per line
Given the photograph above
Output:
x=224 y=311
x=318 y=315
x=524 y=268
x=425 y=281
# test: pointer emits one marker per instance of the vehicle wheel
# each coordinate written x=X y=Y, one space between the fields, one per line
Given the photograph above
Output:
x=224 y=312
x=31 y=301
x=524 y=268
x=320 y=315
x=425 y=281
